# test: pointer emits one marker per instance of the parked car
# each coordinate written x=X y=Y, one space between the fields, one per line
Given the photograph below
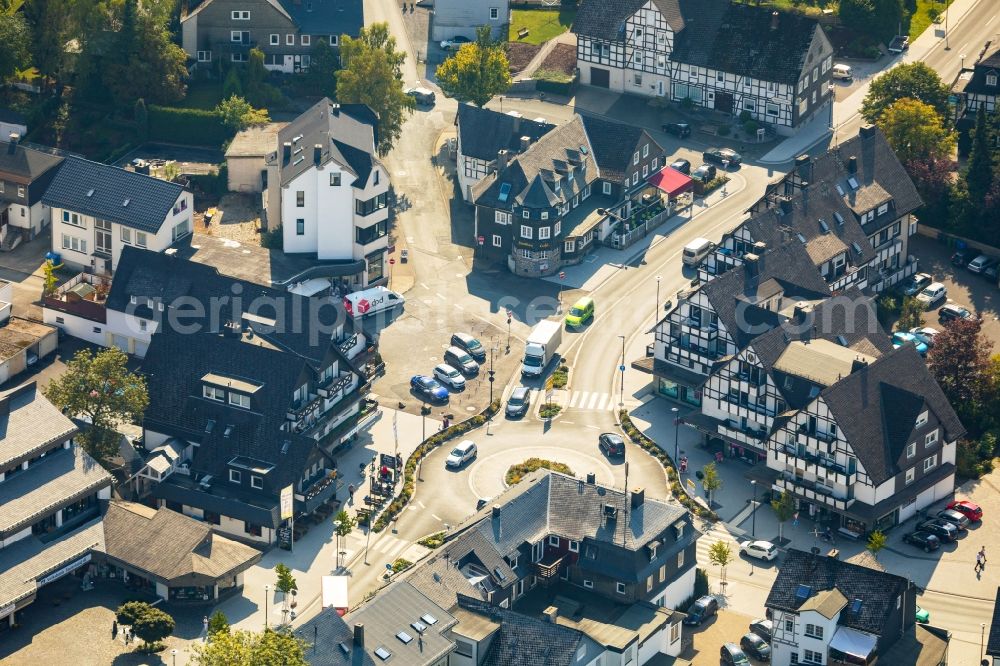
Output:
x=518 y=402
x=914 y=284
x=756 y=647
x=429 y=388
x=762 y=550
x=702 y=609
x=899 y=44
x=925 y=333
x=970 y=510
x=953 y=311
x=963 y=256
x=421 y=95
x=722 y=155
x=981 y=263
x=730 y=654
x=455 y=43
x=900 y=338
x=681 y=165
x=706 y=173
x=611 y=444
x=677 y=129
x=461 y=360
x=449 y=376
x=931 y=294
x=461 y=454
x=924 y=540
x=941 y=528
x=952 y=516
x=763 y=628
x=482 y=502
x=469 y=344
x=842 y=72
x=922 y=616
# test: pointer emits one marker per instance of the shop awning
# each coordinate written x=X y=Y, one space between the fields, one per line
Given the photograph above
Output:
x=853 y=642
x=671 y=181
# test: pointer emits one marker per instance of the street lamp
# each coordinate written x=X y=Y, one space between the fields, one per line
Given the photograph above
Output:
x=830 y=89
x=173 y=653
x=656 y=311
x=962 y=56
x=336 y=531
x=267 y=599
x=677 y=423
x=621 y=395
x=725 y=183
x=753 y=508
x=982 y=639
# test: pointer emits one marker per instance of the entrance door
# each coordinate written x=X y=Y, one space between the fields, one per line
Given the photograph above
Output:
x=659 y=88
x=724 y=102
x=600 y=77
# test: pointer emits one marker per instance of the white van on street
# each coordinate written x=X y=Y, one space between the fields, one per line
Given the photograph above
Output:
x=371 y=301
x=697 y=250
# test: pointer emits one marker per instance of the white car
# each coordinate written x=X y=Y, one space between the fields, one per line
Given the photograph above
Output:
x=461 y=454
x=931 y=294
x=449 y=376
x=455 y=43
x=762 y=550
x=925 y=333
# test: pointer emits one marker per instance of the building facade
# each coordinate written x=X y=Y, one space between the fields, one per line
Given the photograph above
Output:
x=25 y=173
x=978 y=87
x=452 y=18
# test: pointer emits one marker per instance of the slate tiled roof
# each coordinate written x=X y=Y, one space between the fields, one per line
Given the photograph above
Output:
x=988 y=63
x=993 y=644
x=29 y=424
x=121 y=196
x=876 y=408
x=603 y=18
x=346 y=132
x=22 y=164
x=12 y=116
x=877 y=590
x=171 y=547
x=326 y=17
x=441 y=580
x=484 y=132
x=613 y=144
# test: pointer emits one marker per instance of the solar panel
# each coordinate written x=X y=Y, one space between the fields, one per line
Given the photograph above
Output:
x=429 y=619
x=856 y=606
x=504 y=191
x=343 y=648
x=404 y=637
x=840 y=190
x=824 y=226
x=802 y=593
x=853 y=182
x=382 y=653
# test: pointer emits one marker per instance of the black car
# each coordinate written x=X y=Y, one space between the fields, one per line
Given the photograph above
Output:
x=706 y=173
x=469 y=344
x=963 y=257
x=940 y=528
x=681 y=165
x=677 y=129
x=721 y=156
x=611 y=444
x=959 y=520
x=731 y=655
x=702 y=609
x=951 y=312
x=924 y=540
x=756 y=647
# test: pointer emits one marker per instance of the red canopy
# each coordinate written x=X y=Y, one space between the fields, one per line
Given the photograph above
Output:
x=671 y=181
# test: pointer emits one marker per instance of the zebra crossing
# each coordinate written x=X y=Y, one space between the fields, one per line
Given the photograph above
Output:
x=390 y=547
x=590 y=400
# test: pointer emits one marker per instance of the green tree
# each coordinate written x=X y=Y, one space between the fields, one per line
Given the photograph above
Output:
x=720 y=555
x=232 y=86
x=980 y=176
x=286 y=581
x=372 y=74
x=49 y=22
x=910 y=314
x=710 y=481
x=218 y=624
x=49 y=279
x=915 y=132
x=478 y=72
x=148 y=622
x=347 y=523
x=960 y=362
x=876 y=542
x=320 y=78
x=914 y=81
x=256 y=72
x=101 y=388
x=15 y=36
x=237 y=114
x=245 y=648
x=784 y=508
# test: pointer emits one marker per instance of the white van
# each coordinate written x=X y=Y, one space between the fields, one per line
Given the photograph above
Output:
x=697 y=250
x=842 y=72
x=370 y=301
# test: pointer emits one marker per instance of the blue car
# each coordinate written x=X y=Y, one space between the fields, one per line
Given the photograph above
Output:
x=900 y=338
x=429 y=388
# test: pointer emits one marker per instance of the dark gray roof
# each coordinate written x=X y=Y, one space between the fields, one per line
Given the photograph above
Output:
x=326 y=17
x=121 y=196
x=526 y=640
x=393 y=610
x=21 y=164
x=220 y=500
x=988 y=63
x=614 y=144
x=877 y=406
x=876 y=589
x=484 y=132
x=993 y=644
x=12 y=116
x=346 y=132
x=442 y=581
x=29 y=424
x=603 y=18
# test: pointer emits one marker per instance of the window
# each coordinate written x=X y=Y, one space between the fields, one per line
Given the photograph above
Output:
x=680 y=559
x=620 y=588
x=213 y=393
x=238 y=57
x=645 y=170
x=494 y=13
x=789 y=625
x=606 y=187
x=589 y=584
x=649 y=583
x=256 y=482
x=645 y=150
x=500 y=217
x=814 y=631
x=126 y=235
x=910 y=473
x=290 y=40
x=635 y=180
x=720 y=77
x=525 y=231
x=558 y=228
x=921 y=420
x=142 y=324
x=60 y=320
x=300 y=199
x=803 y=106
x=883 y=209
x=991 y=79
x=812 y=657
x=463 y=648
x=180 y=230
x=794 y=658
x=654 y=163
x=204 y=56
x=525 y=214
x=931 y=438
x=306 y=40
x=140 y=238
x=366 y=235
x=102 y=236
x=235 y=36
x=569 y=246
x=513 y=562
x=275 y=39
x=333 y=40
x=574 y=546
x=73 y=218
x=241 y=16
x=543 y=233
x=235 y=476
x=239 y=400
x=372 y=205
x=545 y=216
x=74 y=243
x=635 y=157
x=554 y=541
x=750 y=105
x=771 y=110
x=929 y=463
x=497 y=241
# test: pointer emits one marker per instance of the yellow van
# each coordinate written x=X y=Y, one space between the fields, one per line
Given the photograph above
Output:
x=581 y=312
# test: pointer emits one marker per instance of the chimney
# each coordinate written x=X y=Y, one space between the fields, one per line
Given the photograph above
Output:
x=638 y=497
x=12 y=146
x=804 y=167
x=759 y=248
x=775 y=17
x=318 y=154
x=359 y=635
x=551 y=614
x=750 y=264
x=525 y=143
x=503 y=159
x=286 y=152
x=867 y=131
x=786 y=206
x=517 y=121
x=852 y=164
x=858 y=364
x=495 y=513
x=591 y=478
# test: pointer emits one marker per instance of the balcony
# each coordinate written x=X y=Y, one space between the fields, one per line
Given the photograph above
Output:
x=812 y=462
x=750 y=436
x=816 y=434
x=84 y=296
x=547 y=569
x=320 y=489
x=813 y=491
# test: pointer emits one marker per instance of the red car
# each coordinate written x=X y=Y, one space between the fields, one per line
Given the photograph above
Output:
x=970 y=510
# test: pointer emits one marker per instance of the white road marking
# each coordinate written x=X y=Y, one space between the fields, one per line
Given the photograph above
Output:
x=424 y=285
x=593 y=400
x=991 y=19
x=403 y=545
x=436 y=517
x=440 y=295
x=568 y=423
x=593 y=427
x=574 y=396
x=457 y=306
x=422 y=505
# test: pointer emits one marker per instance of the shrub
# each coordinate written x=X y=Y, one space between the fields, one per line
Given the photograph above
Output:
x=549 y=410
x=517 y=472
x=724 y=130
x=273 y=239
x=433 y=541
x=700 y=590
x=561 y=376
x=745 y=116
x=751 y=126
x=197 y=126
x=401 y=565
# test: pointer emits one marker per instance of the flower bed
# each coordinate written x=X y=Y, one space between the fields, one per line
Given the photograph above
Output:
x=517 y=472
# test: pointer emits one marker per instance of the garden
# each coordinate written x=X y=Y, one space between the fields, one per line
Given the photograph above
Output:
x=537 y=26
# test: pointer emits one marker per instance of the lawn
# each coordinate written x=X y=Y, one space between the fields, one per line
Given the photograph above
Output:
x=202 y=95
x=542 y=24
x=921 y=18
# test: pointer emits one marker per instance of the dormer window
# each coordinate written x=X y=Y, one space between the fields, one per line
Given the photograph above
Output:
x=235 y=476
x=991 y=80
x=213 y=393
x=239 y=400
x=922 y=419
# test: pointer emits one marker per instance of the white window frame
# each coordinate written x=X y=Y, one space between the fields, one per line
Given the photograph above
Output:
x=238 y=57
x=236 y=36
x=494 y=13
x=526 y=231
x=497 y=240
x=240 y=15
x=991 y=79
x=558 y=228
x=910 y=474
x=645 y=150
x=606 y=187
x=545 y=215
x=544 y=233
x=525 y=214
x=500 y=217
x=306 y=40
x=620 y=588
x=554 y=540
x=275 y=39
x=921 y=419
x=334 y=40
x=635 y=158
x=204 y=56
x=931 y=438
x=290 y=39
x=574 y=546
x=930 y=463
x=235 y=476
x=140 y=239
x=767 y=110
x=239 y=400
x=256 y=482
x=569 y=246
x=126 y=234
x=649 y=583
x=213 y=393
x=589 y=584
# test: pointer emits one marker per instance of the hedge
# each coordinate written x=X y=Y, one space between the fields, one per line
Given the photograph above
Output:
x=410 y=468
x=196 y=126
x=653 y=449
x=564 y=88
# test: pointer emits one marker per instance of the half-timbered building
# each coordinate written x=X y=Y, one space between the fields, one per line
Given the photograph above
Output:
x=979 y=86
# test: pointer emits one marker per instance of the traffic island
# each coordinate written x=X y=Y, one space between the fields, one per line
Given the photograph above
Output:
x=517 y=472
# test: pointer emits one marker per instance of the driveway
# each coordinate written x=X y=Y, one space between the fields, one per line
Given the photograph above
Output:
x=702 y=644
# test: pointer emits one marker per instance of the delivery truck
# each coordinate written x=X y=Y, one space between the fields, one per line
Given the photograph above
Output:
x=541 y=347
x=370 y=301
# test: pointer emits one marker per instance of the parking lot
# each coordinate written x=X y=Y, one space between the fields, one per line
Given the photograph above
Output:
x=726 y=627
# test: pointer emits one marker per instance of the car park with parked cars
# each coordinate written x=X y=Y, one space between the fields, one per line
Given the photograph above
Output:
x=449 y=376
x=926 y=334
x=706 y=173
x=955 y=517
x=518 y=402
x=970 y=510
x=953 y=311
x=756 y=647
x=762 y=550
x=455 y=43
x=900 y=338
x=931 y=294
x=722 y=156
x=470 y=344
x=422 y=96
x=981 y=263
x=763 y=628
x=429 y=388
x=730 y=654
x=942 y=529
x=679 y=130
x=922 y=539
x=461 y=360
x=702 y=609
x=914 y=284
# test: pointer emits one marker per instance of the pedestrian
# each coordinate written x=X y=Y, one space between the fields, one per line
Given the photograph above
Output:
x=114 y=629
x=982 y=553
x=204 y=627
x=795 y=519
x=979 y=561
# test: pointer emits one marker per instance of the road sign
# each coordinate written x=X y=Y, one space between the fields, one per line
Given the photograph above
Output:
x=389 y=567
x=392 y=261
x=562 y=275
x=621 y=368
x=481 y=239
x=550 y=383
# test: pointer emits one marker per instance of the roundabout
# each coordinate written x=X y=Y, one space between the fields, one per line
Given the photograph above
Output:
x=486 y=475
